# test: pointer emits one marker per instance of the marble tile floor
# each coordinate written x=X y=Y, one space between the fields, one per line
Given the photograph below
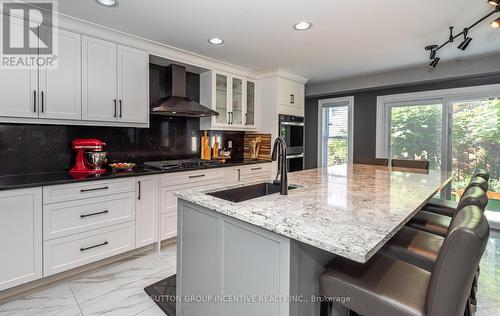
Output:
x=117 y=289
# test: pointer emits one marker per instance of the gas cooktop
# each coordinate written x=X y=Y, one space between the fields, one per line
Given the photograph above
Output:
x=181 y=164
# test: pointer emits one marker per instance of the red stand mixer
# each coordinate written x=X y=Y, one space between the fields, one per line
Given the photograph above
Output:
x=90 y=157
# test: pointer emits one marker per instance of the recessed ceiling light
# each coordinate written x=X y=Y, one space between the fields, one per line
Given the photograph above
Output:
x=108 y=3
x=302 y=26
x=216 y=41
x=496 y=24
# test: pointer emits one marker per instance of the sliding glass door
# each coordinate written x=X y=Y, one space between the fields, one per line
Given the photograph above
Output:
x=458 y=130
x=475 y=126
x=335 y=134
x=416 y=131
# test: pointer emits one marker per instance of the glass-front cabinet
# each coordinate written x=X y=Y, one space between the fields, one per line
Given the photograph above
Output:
x=250 y=104
x=233 y=97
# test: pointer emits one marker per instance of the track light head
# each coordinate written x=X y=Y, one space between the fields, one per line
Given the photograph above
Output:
x=434 y=62
x=466 y=41
x=496 y=24
x=494 y=2
x=433 y=50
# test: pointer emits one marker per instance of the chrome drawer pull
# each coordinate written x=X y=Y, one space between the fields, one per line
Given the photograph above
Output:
x=95 y=246
x=196 y=176
x=95 y=189
x=94 y=214
x=259 y=168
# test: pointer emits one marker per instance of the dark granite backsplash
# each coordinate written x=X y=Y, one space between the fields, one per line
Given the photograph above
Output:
x=47 y=148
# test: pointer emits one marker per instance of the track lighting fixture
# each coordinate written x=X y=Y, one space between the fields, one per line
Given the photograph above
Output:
x=496 y=24
x=434 y=62
x=466 y=41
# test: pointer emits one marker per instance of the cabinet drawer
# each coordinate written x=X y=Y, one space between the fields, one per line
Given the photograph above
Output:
x=63 y=219
x=188 y=177
x=76 y=250
x=70 y=192
x=168 y=200
x=168 y=225
x=248 y=171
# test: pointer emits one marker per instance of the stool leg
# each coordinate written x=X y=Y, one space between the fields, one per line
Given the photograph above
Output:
x=325 y=309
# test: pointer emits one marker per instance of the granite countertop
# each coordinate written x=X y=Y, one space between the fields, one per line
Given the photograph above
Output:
x=348 y=210
x=11 y=182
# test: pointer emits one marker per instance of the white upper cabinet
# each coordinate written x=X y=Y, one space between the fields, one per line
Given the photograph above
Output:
x=115 y=82
x=290 y=93
x=18 y=87
x=59 y=92
x=233 y=97
x=133 y=89
x=99 y=78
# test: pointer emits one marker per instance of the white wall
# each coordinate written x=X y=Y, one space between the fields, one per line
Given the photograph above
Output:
x=422 y=73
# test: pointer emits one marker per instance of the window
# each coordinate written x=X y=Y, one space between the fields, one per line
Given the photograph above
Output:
x=335 y=116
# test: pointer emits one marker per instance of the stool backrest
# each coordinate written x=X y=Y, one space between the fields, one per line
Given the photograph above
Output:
x=474 y=196
x=457 y=262
x=483 y=174
x=478 y=182
x=416 y=164
x=373 y=161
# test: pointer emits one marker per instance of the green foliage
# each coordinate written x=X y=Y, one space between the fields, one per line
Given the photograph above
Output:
x=337 y=151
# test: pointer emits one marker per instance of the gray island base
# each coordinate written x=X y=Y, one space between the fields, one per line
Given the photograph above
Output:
x=264 y=256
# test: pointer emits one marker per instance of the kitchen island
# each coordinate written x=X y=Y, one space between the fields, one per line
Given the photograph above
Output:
x=263 y=256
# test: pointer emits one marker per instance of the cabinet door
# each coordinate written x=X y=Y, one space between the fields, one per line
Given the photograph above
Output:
x=18 y=87
x=99 y=101
x=250 y=104
x=133 y=91
x=20 y=236
x=236 y=101
x=60 y=87
x=147 y=210
x=222 y=99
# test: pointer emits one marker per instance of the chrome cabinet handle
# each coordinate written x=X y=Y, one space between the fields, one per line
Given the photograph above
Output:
x=34 y=101
x=94 y=246
x=139 y=193
x=196 y=176
x=95 y=189
x=94 y=214
x=120 y=108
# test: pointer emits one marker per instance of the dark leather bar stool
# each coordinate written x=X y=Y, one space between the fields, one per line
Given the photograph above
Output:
x=447 y=207
x=483 y=174
x=372 y=161
x=415 y=164
x=439 y=224
x=388 y=286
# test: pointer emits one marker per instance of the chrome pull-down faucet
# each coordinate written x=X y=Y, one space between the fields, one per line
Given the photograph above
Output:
x=279 y=149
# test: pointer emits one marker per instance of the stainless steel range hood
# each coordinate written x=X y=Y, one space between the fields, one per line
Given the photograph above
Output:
x=177 y=104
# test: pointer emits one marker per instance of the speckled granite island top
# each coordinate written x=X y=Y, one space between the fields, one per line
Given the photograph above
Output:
x=350 y=211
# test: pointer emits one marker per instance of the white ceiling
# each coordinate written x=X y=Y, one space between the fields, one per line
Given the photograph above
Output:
x=349 y=38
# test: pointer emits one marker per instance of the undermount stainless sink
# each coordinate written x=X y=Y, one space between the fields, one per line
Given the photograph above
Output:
x=249 y=192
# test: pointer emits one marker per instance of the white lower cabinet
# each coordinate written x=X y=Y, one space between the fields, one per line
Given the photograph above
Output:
x=147 y=211
x=20 y=236
x=235 y=175
x=72 y=251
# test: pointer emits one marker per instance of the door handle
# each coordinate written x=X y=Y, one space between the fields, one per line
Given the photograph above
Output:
x=246 y=118
x=114 y=114
x=95 y=189
x=34 y=101
x=139 y=189
x=120 y=108
x=42 y=98
x=94 y=214
x=292 y=98
x=94 y=246
x=232 y=117
x=228 y=117
x=196 y=176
